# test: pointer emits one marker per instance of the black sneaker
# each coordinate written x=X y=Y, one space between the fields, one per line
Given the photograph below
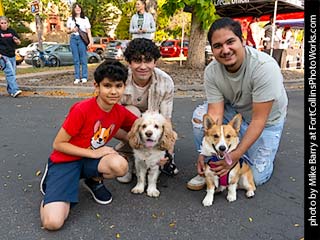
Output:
x=43 y=180
x=98 y=191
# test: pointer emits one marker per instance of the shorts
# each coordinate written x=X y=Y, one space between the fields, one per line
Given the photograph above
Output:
x=62 y=180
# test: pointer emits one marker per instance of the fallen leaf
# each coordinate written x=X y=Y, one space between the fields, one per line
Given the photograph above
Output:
x=112 y=226
x=172 y=224
x=38 y=173
x=154 y=215
x=297 y=225
x=250 y=219
x=29 y=185
x=98 y=215
x=118 y=235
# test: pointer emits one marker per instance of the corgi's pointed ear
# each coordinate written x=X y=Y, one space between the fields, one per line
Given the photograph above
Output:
x=236 y=122
x=207 y=122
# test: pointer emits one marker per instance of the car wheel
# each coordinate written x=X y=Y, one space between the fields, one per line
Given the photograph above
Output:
x=37 y=62
x=99 y=51
x=54 y=62
x=93 y=59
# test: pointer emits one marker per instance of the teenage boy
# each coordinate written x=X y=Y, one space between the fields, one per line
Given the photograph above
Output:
x=79 y=149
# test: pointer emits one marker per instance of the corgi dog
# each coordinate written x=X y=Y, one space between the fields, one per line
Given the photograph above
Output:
x=218 y=142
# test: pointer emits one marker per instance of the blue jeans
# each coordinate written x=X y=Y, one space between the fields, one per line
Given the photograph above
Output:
x=79 y=53
x=261 y=154
x=10 y=72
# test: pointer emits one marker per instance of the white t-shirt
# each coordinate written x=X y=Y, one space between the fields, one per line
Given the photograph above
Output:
x=83 y=23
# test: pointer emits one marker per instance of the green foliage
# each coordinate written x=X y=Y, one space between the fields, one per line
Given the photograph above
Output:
x=204 y=10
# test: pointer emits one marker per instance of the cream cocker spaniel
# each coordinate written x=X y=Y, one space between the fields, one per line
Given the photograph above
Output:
x=150 y=137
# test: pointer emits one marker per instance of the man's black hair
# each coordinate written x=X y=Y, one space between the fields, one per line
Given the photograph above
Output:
x=139 y=47
x=111 y=69
x=228 y=23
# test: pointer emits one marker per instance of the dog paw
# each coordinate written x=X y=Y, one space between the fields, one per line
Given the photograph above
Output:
x=137 y=189
x=250 y=194
x=153 y=192
x=231 y=197
x=207 y=201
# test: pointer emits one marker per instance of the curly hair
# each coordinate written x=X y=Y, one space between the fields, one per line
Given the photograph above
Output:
x=141 y=47
x=111 y=69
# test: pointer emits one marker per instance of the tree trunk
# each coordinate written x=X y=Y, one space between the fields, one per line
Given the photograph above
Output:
x=197 y=43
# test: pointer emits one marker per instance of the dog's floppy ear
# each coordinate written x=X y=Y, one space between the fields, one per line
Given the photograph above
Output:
x=168 y=136
x=236 y=122
x=134 y=136
x=208 y=122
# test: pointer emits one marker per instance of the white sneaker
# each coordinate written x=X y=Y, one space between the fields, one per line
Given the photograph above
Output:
x=128 y=177
x=196 y=183
x=76 y=81
x=16 y=94
x=84 y=80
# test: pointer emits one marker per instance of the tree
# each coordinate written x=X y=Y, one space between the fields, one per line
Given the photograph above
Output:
x=203 y=15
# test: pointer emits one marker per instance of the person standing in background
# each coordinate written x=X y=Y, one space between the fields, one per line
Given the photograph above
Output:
x=9 y=39
x=142 y=23
x=79 y=49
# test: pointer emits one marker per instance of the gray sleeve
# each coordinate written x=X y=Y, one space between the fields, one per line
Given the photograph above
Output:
x=213 y=93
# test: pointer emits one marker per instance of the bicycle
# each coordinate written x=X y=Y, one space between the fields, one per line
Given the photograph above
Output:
x=40 y=59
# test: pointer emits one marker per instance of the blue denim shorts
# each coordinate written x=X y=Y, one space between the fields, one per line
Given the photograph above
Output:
x=261 y=154
x=62 y=181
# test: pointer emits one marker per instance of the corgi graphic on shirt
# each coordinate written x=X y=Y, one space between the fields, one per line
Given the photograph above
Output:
x=101 y=135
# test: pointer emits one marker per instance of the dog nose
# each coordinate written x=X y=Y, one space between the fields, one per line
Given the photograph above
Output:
x=222 y=148
x=148 y=133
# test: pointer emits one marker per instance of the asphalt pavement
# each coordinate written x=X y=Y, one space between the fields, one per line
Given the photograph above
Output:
x=28 y=126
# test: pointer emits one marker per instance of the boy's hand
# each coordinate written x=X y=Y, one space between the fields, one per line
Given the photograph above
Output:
x=102 y=151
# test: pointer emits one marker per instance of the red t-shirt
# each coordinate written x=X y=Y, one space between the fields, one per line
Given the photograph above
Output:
x=90 y=126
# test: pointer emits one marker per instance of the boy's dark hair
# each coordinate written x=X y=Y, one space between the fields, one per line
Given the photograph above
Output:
x=141 y=47
x=111 y=69
x=228 y=23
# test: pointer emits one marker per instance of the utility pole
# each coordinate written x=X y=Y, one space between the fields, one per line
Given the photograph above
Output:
x=36 y=9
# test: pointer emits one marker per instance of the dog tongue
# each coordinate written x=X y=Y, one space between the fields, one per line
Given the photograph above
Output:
x=228 y=159
x=149 y=144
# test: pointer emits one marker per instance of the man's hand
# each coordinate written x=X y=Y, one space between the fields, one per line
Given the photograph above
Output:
x=200 y=165
x=102 y=151
x=223 y=167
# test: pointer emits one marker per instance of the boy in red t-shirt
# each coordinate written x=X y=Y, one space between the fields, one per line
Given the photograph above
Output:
x=79 y=149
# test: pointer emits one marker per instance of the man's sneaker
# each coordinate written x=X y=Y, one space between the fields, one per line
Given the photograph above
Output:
x=84 y=80
x=196 y=183
x=43 y=179
x=76 y=81
x=126 y=178
x=16 y=94
x=98 y=191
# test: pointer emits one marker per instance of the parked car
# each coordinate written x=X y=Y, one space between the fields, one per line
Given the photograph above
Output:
x=172 y=48
x=99 y=44
x=33 y=46
x=19 y=58
x=57 y=55
x=115 y=49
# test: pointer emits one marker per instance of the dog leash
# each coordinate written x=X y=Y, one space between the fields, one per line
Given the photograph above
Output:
x=169 y=167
